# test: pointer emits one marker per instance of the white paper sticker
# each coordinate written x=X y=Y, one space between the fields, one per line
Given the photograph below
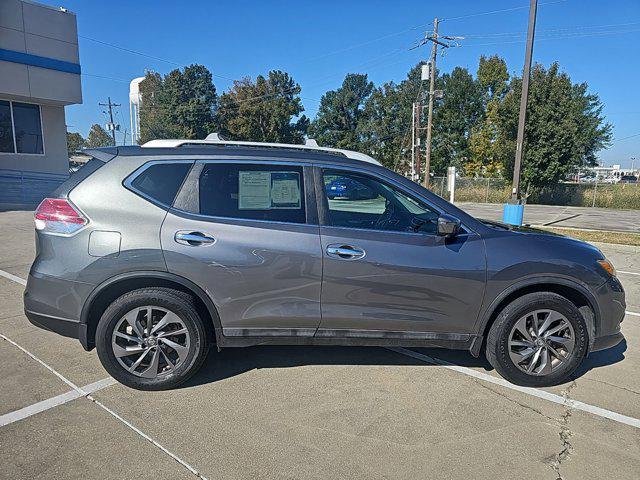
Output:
x=254 y=190
x=285 y=193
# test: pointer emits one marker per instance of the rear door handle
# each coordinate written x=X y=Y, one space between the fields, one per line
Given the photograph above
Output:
x=345 y=252
x=193 y=239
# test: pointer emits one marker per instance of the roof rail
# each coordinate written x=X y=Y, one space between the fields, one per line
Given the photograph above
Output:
x=217 y=139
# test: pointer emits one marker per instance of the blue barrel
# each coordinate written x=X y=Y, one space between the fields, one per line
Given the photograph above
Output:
x=513 y=214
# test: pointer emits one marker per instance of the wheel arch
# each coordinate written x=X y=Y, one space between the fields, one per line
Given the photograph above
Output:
x=578 y=294
x=110 y=289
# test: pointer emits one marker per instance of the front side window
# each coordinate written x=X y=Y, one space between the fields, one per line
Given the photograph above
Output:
x=253 y=192
x=359 y=201
x=20 y=128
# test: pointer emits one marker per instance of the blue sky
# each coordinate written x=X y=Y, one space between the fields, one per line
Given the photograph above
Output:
x=319 y=42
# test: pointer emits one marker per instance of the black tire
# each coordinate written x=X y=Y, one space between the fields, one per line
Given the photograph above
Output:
x=177 y=302
x=497 y=348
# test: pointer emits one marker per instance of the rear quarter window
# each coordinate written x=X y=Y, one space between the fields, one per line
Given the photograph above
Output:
x=161 y=181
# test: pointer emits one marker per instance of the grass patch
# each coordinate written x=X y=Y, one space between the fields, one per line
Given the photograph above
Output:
x=620 y=238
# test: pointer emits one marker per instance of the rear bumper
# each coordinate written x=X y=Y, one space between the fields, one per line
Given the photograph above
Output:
x=61 y=326
x=55 y=305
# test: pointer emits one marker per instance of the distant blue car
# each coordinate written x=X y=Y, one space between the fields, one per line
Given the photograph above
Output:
x=348 y=189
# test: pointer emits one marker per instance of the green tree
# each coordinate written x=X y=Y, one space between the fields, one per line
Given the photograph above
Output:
x=486 y=149
x=455 y=115
x=564 y=127
x=385 y=126
x=182 y=104
x=98 y=137
x=341 y=112
x=493 y=77
x=74 y=143
x=264 y=110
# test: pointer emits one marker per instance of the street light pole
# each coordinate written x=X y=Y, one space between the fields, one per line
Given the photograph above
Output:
x=513 y=211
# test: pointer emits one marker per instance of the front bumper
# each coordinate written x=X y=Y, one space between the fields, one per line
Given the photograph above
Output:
x=608 y=341
x=612 y=307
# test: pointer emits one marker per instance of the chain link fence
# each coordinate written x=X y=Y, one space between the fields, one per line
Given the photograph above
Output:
x=496 y=190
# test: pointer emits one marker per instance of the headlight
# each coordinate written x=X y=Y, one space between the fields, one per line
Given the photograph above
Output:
x=608 y=267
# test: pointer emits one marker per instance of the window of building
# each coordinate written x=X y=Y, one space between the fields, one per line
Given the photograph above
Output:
x=6 y=130
x=20 y=128
x=359 y=201
x=253 y=191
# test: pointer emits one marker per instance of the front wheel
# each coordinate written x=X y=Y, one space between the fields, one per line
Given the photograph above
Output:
x=152 y=339
x=537 y=340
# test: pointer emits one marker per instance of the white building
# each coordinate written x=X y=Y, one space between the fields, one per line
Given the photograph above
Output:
x=39 y=75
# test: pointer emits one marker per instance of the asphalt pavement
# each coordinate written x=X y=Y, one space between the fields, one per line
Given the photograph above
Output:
x=568 y=217
x=309 y=412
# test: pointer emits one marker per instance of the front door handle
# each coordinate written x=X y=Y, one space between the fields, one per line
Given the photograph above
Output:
x=193 y=239
x=345 y=252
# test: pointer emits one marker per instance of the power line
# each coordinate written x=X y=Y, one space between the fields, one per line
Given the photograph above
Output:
x=153 y=57
x=553 y=37
x=504 y=10
x=626 y=138
x=550 y=30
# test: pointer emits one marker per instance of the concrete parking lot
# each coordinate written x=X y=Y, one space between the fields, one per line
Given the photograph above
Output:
x=309 y=412
x=559 y=216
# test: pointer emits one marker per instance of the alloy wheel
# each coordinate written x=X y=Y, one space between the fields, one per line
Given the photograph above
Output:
x=150 y=341
x=541 y=341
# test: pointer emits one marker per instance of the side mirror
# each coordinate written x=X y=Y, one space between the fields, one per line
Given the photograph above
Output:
x=448 y=226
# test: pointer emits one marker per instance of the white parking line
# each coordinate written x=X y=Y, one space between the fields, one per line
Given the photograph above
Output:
x=13 y=278
x=632 y=313
x=628 y=273
x=49 y=403
x=82 y=393
x=551 y=397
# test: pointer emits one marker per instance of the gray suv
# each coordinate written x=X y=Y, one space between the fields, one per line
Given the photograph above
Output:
x=152 y=254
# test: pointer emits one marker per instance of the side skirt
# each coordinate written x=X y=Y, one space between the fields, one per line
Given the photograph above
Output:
x=245 y=337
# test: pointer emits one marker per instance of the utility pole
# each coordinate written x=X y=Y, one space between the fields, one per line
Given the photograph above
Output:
x=417 y=163
x=413 y=141
x=515 y=193
x=111 y=126
x=514 y=210
x=432 y=85
x=435 y=38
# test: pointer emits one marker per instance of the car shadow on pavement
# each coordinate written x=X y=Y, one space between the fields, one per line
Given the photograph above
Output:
x=601 y=359
x=231 y=362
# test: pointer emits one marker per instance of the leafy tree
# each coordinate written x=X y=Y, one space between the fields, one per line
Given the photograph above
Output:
x=486 y=149
x=264 y=110
x=74 y=143
x=340 y=113
x=564 y=127
x=181 y=104
x=385 y=126
x=98 y=137
x=493 y=77
x=454 y=117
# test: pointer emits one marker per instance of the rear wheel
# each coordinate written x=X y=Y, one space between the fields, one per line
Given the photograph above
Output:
x=152 y=338
x=537 y=340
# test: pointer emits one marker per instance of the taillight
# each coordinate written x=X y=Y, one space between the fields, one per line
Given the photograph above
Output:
x=57 y=215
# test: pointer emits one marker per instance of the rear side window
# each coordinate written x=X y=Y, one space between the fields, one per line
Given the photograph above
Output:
x=253 y=191
x=161 y=181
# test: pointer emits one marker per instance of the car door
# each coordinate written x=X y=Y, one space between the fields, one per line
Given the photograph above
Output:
x=386 y=271
x=247 y=233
